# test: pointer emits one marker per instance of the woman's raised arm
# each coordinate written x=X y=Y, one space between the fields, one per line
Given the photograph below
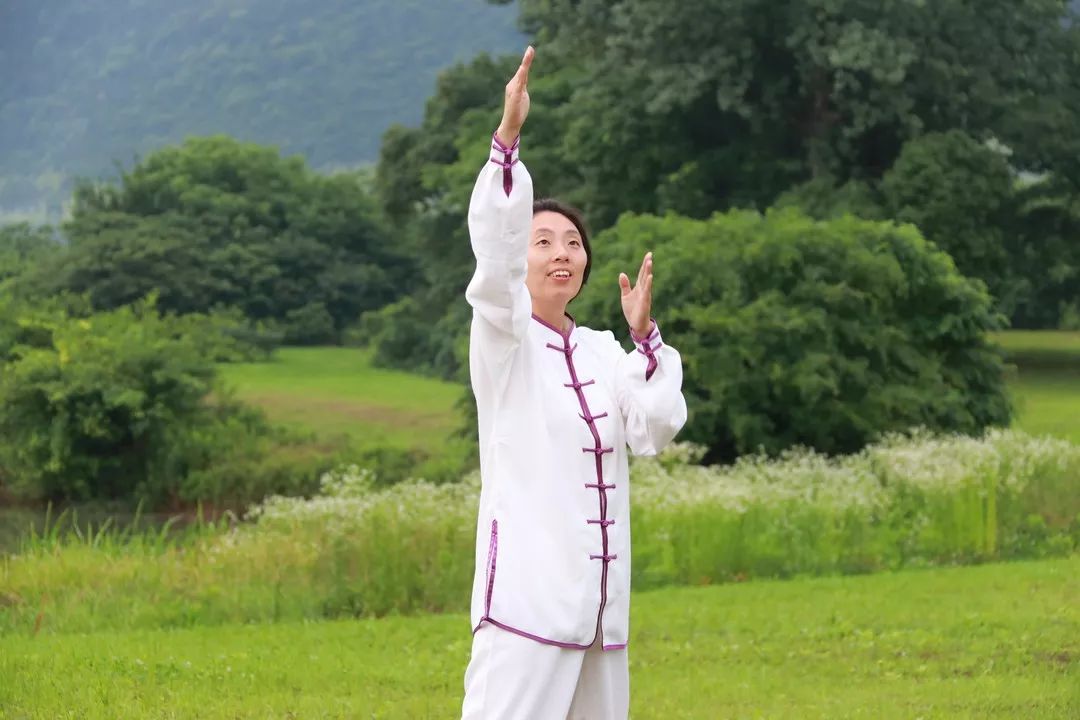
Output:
x=500 y=222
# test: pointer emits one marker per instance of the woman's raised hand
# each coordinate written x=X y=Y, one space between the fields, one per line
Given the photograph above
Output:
x=516 y=104
x=637 y=302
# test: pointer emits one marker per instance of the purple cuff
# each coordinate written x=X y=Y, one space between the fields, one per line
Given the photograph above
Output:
x=648 y=346
x=505 y=157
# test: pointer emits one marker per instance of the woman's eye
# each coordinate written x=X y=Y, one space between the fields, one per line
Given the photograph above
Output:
x=542 y=241
x=575 y=242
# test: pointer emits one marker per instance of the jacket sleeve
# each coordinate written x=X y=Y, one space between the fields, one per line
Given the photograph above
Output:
x=500 y=220
x=648 y=389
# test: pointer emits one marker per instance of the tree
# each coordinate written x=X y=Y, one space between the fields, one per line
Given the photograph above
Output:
x=750 y=97
x=1046 y=258
x=799 y=332
x=23 y=246
x=959 y=193
x=218 y=222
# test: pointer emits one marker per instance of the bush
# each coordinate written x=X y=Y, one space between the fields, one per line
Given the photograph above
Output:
x=796 y=332
x=106 y=406
x=235 y=457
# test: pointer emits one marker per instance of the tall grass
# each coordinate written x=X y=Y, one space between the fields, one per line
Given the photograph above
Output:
x=356 y=549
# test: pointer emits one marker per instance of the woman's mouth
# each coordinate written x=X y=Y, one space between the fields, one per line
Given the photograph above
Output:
x=562 y=275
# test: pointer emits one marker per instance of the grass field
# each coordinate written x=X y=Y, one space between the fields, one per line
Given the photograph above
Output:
x=991 y=641
x=335 y=391
x=1046 y=383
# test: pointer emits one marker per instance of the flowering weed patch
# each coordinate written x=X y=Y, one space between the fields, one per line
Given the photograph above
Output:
x=358 y=550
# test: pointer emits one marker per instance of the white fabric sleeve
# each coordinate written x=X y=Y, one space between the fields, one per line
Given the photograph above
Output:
x=500 y=221
x=648 y=389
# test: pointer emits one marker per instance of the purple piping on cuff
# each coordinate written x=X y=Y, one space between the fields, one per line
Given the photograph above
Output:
x=654 y=330
x=508 y=160
x=648 y=346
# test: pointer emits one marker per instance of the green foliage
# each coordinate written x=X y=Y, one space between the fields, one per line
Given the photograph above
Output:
x=796 y=332
x=750 y=97
x=234 y=457
x=22 y=246
x=91 y=405
x=959 y=193
x=216 y=222
x=643 y=107
x=1047 y=255
x=126 y=405
x=824 y=199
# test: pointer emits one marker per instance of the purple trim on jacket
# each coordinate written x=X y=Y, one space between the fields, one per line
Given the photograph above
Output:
x=557 y=331
x=493 y=551
x=537 y=638
x=507 y=161
x=648 y=346
x=603 y=522
x=598 y=451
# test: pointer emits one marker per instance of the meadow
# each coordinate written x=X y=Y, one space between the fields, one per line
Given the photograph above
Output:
x=803 y=586
x=336 y=391
x=1045 y=380
x=991 y=641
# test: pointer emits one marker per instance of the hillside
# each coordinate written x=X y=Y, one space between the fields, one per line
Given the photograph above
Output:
x=88 y=83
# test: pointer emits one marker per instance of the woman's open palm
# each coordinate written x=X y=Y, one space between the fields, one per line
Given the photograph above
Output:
x=516 y=102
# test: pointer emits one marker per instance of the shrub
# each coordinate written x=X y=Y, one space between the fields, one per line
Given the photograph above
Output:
x=115 y=405
x=799 y=332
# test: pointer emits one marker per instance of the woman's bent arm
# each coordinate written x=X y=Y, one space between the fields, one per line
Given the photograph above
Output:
x=649 y=393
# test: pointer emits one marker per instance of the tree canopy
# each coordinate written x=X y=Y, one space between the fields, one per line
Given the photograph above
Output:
x=215 y=222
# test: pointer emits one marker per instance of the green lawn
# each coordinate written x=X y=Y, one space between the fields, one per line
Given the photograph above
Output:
x=336 y=391
x=991 y=641
x=1046 y=381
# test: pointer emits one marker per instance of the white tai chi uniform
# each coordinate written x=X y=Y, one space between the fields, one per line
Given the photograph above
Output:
x=556 y=412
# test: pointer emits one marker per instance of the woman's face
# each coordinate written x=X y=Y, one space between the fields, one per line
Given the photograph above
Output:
x=556 y=258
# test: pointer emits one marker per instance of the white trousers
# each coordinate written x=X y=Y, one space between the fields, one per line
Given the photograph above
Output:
x=514 y=678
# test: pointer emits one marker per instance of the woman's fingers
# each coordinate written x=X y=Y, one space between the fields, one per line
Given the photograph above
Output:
x=516 y=101
x=526 y=63
x=520 y=81
x=646 y=267
x=624 y=284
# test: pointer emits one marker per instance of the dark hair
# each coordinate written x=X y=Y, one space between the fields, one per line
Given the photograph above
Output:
x=572 y=214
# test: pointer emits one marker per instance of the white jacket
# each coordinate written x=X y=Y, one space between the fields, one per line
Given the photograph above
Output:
x=556 y=413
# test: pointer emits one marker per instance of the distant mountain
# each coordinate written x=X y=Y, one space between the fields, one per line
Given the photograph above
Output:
x=87 y=83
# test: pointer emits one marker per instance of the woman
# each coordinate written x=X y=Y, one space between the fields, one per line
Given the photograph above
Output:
x=557 y=405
